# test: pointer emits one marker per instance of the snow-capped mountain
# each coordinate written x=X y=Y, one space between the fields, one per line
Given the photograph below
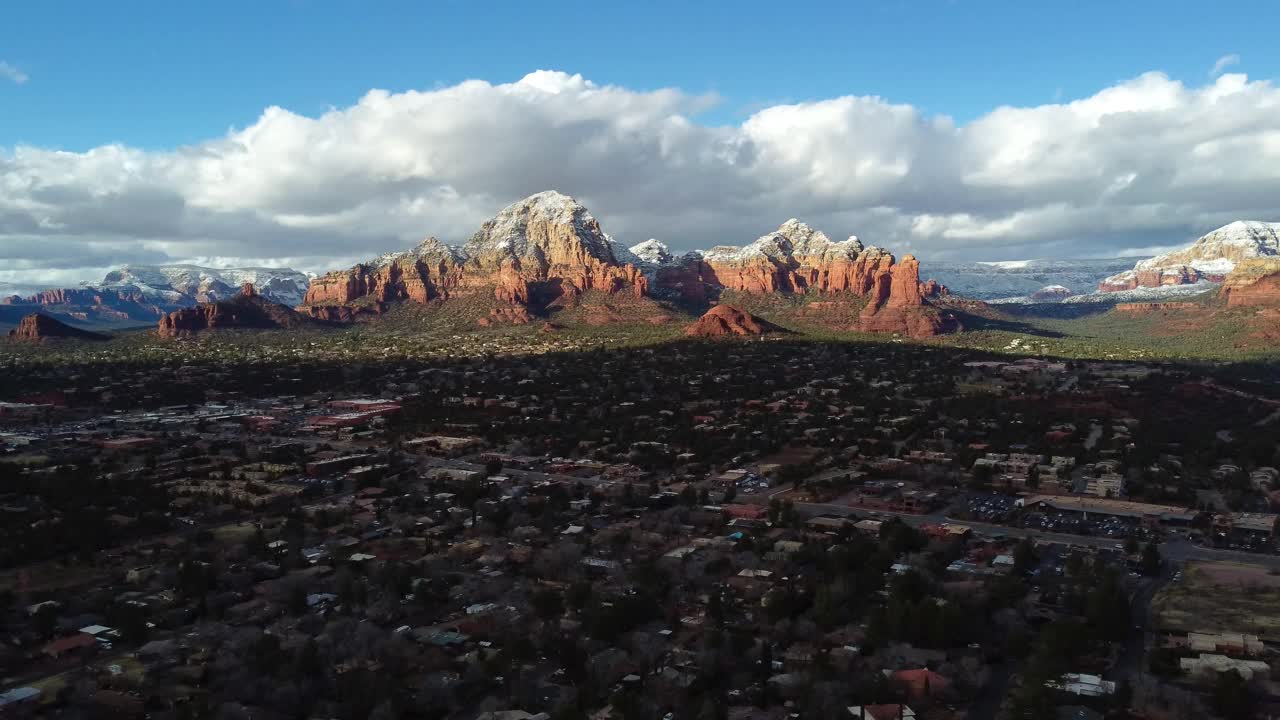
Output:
x=186 y=284
x=1210 y=258
x=653 y=252
x=1018 y=280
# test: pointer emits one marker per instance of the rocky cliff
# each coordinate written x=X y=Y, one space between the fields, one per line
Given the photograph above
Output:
x=729 y=321
x=547 y=249
x=1211 y=258
x=36 y=328
x=535 y=251
x=794 y=258
x=145 y=293
x=249 y=310
x=1253 y=283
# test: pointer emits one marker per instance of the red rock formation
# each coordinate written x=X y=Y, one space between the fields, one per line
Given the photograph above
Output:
x=506 y=316
x=1254 y=283
x=1177 y=275
x=896 y=304
x=246 y=311
x=340 y=313
x=729 y=321
x=933 y=289
x=37 y=328
x=1118 y=283
x=540 y=248
x=1147 y=308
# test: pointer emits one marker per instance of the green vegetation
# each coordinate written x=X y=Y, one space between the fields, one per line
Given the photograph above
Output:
x=444 y=330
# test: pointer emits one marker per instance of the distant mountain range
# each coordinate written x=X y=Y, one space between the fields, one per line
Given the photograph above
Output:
x=1019 y=280
x=547 y=252
x=141 y=294
x=1211 y=258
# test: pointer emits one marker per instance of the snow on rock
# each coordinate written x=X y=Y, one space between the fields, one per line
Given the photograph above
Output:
x=1212 y=257
x=183 y=284
x=653 y=252
x=1144 y=294
x=1018 y=280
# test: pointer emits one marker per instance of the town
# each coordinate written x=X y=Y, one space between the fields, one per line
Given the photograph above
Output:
x=754 y=530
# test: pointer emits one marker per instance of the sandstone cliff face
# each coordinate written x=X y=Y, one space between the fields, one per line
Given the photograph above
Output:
x=430 y=270
x=1210 y=258
x=729 y=321
x=1253 y=283
x=1148 y=308
x=36 y=328
x=896 y=304
x=246 y=311
x=798 y=259
x=794 y=258
x=534 y=251
x=547 y=249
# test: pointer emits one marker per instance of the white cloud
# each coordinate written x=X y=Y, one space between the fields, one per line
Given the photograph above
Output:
x=1223 y=63
x=12 y=74
x=1147 y=162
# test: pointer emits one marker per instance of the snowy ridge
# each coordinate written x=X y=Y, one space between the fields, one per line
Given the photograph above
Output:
x=652 y=252
x=1144 y=294
x=1214 y=254
x=792 y=239
x=1018 y=280
x=507 y=233
x=182 y=284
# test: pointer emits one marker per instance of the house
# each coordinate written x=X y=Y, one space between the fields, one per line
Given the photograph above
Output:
x=17 y=696
x=1225 y=643
x=1077 y=712
x=918 y=684
x=887 y=711
x=1209 y=666
x=1083 y=685
x=69 y=644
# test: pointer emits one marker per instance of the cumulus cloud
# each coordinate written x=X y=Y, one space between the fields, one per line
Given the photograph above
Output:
x=12 y=74
x=1223 y=63
x=1147 y=162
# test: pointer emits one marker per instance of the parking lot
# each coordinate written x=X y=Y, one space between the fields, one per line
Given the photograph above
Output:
x=991 y=507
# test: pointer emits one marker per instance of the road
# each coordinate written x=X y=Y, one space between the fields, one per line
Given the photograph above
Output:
x=1177 y=550
x=1134 y=650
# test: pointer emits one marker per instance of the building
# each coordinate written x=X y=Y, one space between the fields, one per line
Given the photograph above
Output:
x=1106 y=485
x=1083 y=685
x=69 y=644
x=1225 y=643
x=887 y=711
x=1143 y=512
x=1208 y=666
x=18 y=696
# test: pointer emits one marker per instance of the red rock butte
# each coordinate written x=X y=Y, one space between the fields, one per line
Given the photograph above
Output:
x=729 y=321
x=37 y=327
x=548 y=248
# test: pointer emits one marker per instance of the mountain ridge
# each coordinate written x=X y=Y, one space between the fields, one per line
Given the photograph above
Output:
x=548 y=249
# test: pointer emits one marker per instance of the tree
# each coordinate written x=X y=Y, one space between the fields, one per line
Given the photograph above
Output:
x=1024 y=556
x=1131 y=546
x=46 y=620
x=548 y=604
x=1151 y=559
x=1231 y=696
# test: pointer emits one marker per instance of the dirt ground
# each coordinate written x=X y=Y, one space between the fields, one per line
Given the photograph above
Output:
x=1221 y=597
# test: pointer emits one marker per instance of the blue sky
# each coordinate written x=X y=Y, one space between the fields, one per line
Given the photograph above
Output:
x=160 y=74
x=139 y=131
